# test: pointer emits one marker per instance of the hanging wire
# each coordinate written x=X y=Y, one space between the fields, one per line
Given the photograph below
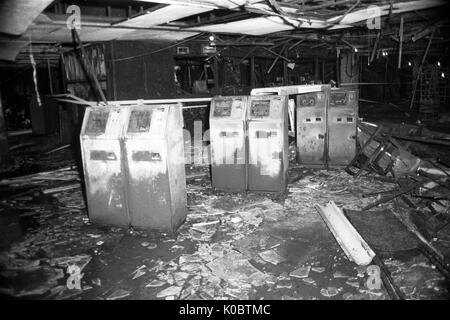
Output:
x=33 y=64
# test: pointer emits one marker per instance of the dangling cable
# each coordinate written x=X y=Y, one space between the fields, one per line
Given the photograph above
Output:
x=33 y=64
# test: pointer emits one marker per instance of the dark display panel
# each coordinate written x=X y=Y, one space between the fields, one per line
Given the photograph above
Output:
x=140 y=121
x=223 y=108
x=97 y=122
x=338 y=98
x=260 y=108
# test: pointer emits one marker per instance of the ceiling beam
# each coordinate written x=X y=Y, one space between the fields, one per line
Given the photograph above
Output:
x=162 y=16
x=365 y=14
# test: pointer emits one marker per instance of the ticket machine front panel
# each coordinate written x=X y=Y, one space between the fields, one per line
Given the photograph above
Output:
x=228 y=147
x=267 y=143
x=151 y=197
x=342 y=126
x=312 y=128
x=100 y=137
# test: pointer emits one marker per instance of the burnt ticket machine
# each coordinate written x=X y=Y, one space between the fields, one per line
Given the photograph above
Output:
x=267 y=125
x=228 y=142
x=312 y=128
x=100 y=139
x=154 y=166
x=342 y=126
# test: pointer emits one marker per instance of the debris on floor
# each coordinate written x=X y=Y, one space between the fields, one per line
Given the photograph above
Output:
x=118 y=294
x=329 y=292
x=232 y=246
x=302 y=272
x=271 y=256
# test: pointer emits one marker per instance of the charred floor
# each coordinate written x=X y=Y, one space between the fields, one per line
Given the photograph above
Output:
x=232 y=245
x=224 y=150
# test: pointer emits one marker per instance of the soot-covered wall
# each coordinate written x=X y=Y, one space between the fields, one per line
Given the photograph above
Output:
x=136 y=72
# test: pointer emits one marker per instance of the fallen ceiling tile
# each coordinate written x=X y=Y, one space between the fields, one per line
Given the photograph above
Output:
x=17 y=15
x=351 y=242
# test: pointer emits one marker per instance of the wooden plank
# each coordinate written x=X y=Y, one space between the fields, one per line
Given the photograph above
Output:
x=277 y=58
x=276 y=54
x=421 y=34
x=375 y=46
x=88 y=66
x=246 y=55
x=61 y=189
x=296 y=44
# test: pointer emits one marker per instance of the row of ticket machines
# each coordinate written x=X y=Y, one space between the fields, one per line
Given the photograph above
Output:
x=133 y=160
x=249 y=135
x=133 y=155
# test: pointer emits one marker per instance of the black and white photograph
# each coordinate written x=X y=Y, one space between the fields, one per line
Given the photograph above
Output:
x=229 y=155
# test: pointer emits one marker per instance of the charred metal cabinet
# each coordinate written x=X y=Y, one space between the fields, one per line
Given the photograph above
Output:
x=312 y=128
x=154 y=166
x=267 y=125
x=342 y=126
x=228 y=147
x=100 y=140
